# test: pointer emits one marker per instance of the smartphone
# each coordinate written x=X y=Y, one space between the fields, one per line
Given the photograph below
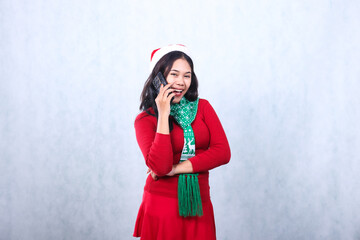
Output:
x=158 y=80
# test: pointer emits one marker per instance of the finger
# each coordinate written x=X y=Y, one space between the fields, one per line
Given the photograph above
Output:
x=161 y=91
x=164 y=88
x=153 y=175
x=167 y=93
x=171 y=95
x=169 y=85
x=169 y=90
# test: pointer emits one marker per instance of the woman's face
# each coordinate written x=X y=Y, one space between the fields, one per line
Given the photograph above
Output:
x=180 y=78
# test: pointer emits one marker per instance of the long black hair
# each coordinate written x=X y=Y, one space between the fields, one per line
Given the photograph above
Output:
x=164 y=66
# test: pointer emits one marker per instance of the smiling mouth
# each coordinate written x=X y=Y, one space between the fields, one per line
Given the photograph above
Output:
x=178 y=90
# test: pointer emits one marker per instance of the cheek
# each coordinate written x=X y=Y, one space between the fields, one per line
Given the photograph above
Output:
x=170 y=79
x=188 y=83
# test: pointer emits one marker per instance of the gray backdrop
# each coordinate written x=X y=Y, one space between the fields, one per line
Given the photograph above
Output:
x=282 y=75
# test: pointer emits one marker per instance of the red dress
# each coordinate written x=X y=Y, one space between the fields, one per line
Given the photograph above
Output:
x=158 y=217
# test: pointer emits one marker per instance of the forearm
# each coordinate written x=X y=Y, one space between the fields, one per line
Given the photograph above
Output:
x=160 y=155
x=163 y=105
x=218 y=152
x=155 y=147
x=163 y=124
x=211 y=158
x=183 y=167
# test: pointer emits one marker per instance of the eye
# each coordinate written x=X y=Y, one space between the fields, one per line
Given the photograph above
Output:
x=173 y=74
x=187 y=76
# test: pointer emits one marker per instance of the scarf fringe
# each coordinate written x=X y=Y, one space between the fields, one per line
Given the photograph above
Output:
x=189 y=196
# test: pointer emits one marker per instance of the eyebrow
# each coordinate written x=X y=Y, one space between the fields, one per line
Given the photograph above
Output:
x=178 y=71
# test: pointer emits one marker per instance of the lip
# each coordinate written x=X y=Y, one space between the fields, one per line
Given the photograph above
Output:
x=178 y=92
x=181 y=89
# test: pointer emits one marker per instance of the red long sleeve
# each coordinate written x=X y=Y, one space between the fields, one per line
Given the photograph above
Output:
x=155 y=147
x=162 y=151
x=218 y=152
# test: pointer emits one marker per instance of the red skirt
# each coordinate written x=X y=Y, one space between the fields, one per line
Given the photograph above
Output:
x=159 y=219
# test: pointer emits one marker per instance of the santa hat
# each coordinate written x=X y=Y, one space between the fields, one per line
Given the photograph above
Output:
x=157 y=54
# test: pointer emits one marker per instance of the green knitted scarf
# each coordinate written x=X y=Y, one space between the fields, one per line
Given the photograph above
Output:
x=188 y=187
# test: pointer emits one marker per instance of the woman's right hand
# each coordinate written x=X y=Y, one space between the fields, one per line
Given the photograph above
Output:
x=163 y=100
x=153 y=175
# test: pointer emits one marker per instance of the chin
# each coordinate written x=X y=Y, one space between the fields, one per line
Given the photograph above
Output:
x=176 y=100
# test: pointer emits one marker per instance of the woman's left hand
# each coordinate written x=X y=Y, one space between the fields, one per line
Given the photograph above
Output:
x=172 y=172
x=155 y=177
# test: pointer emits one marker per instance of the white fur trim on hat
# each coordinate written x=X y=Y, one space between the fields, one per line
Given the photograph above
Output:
x=157 y=54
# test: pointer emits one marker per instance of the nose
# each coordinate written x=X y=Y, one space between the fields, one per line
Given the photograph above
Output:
x=180 y=81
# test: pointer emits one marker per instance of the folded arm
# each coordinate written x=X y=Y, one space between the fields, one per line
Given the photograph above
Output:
x=219 y=149
x=155 y=147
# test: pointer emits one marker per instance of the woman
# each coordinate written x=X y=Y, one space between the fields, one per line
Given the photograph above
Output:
x=175 y=122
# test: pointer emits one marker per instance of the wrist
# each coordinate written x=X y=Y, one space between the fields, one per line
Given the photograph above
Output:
x=163 y=124
x=183 y=167
x=175 y=169
x=172 y=172
x=163 y=116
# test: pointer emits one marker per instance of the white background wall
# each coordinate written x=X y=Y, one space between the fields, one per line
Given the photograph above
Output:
x=283 y=76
